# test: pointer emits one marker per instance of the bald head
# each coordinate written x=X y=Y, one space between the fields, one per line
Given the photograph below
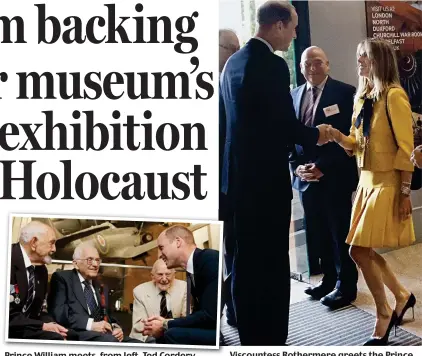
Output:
x=161 y=276
x=314 y=65
x=38 y=241
x=229 y=44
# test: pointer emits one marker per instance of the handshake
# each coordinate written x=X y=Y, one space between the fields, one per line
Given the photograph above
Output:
x=327 y=133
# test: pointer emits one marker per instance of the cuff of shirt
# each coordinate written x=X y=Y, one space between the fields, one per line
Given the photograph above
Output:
x=89 y=324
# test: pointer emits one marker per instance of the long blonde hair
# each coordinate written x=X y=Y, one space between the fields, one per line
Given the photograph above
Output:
x=383 y=72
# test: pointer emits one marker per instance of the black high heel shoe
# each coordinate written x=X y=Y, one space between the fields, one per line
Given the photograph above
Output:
x=409 y=304
x=375 y=341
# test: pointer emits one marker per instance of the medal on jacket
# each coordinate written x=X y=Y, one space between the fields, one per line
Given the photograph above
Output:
x=16 y=295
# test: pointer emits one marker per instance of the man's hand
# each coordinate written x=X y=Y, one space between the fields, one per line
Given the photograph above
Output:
x=335 y=135
x=55 y=328
x=416 y=157
x=324 y=134
x=314 y=170
x=101 y=327
x=118 y=333
x=154 y=327
x=309 y=173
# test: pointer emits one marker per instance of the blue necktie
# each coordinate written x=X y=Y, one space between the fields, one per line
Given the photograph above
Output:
x=90 y=301
x=31 y=288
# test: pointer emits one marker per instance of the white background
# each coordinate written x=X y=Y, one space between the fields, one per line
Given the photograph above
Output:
x=107 y=58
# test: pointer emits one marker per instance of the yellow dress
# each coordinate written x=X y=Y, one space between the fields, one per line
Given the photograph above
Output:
x=375 y=218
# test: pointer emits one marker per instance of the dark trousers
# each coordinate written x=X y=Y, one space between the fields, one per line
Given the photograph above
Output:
x=189 y=336
x=229 y=246
x=261 y=275
x=29 y=333
x=88 y=335
x=327 y=211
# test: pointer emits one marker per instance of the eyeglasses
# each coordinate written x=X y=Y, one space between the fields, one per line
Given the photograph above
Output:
x=90 y=260
x=230 y=48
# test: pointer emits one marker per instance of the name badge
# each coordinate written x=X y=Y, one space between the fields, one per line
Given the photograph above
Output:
x=331 y=110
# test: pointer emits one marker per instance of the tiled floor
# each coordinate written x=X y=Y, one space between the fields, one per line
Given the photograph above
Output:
x=407 y=264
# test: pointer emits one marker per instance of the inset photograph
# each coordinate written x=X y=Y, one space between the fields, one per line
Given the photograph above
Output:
x=96 y=280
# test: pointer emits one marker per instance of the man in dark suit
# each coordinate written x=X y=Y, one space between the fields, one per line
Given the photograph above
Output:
x=258 y=126
x=177 y=248
x=229 y=44
x=28 y=318
x=75 y=301
x=326 y=178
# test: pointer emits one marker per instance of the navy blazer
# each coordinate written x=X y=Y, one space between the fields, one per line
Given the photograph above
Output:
x=204 y=292
x=258 y=127
x=67 y=303
x=18 y=321
x=338 y=168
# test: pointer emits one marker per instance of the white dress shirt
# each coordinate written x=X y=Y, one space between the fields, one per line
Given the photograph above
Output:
x=266 y=42
x=308 y=94
x=27 y=262
x=189 y=266
x=90 y=320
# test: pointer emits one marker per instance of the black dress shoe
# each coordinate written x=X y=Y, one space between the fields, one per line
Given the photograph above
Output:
x=383 y=341
x=337 y=299
x=409 y=304
x=320 y=290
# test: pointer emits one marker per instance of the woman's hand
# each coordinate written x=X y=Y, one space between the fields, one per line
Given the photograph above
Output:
x=335 y=135
x=405 y=207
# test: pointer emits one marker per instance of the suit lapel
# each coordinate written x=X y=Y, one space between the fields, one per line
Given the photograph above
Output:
x=77 y=289
x=325 y=95
x=21 y=277
x=299 y=99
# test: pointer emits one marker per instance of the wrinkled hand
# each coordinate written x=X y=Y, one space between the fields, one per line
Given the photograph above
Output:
x=324 y=134
x=101 y=327
x=405 y=207
x=153 y=326
x=309 y=173
x=55 y=328
x=416 y=157
x=118 y=333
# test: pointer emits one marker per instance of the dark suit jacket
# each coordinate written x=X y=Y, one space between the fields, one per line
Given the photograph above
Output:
x=205 y=270
x=258 y=125
x=338 y=168
x=66 y=300
x=36 y=318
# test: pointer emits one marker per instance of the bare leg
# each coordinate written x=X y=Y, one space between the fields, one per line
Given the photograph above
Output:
x=373 y=278
x=390 y=280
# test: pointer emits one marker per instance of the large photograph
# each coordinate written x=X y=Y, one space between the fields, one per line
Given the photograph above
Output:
x=97 y=280
x=320 y=172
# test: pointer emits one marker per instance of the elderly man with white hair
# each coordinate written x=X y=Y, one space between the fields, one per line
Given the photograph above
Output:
x=75 y=299
x=163 y=296
x=28 y=285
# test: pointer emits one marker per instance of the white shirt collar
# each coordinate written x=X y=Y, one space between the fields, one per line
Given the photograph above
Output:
x=266 y=42
x=82 y=279
x=189 y=265
x=26 y=259
x=320 y=86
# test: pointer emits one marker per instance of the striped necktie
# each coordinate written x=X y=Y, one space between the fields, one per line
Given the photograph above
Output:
x=31 y=289
x=308 y=113
x=163 y=304
x=188 y=293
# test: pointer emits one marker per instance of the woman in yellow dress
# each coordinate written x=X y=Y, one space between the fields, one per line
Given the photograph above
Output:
x=382 y=210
